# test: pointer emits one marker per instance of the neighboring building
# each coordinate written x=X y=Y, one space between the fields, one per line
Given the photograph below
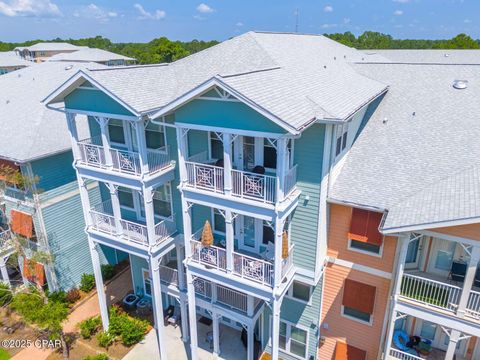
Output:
x=9 y=61
x=41 y=51
x=98 y=56
x=42 y=206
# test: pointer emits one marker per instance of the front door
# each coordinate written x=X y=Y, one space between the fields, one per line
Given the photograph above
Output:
x=441 y=257
x=248 y=239
x=413 y=254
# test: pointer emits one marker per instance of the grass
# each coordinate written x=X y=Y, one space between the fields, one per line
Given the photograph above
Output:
x=4 y=355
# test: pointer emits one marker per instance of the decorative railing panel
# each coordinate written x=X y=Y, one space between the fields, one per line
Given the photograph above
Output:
x=205 y=177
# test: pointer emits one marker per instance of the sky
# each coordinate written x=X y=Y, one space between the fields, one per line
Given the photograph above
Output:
x=144 y=20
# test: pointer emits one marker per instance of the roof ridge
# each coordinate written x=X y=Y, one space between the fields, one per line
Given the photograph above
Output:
x=131 y=67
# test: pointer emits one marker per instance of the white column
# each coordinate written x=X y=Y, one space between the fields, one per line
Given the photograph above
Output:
x=116 y=207
x=250 y=305
x=72 y=128
x=227 y=163
x=452 y=344
x=103 y=122
x=182 y=153
x=187 y=228
x=82 y=185
x=97 y=271
x=281 y=168
x=250 y=341
x=229 y=239
x=158 y=307
x=142 y=146
x=469 y=279
x=389 y=335
x=3 y=271
x=279 y=223
x=216 y=334
x=184 y=316
x=192 y=317
x=149 y=214
x=275 y=327
x=180 y=268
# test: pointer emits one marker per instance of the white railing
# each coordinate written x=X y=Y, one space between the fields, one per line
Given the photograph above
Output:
x=5 y=238
x=92 y=154
x=126 y=161
x=210 y=256
x=473 y=305
x=257 y=270
x=168 y=275
x=430 y=292
x=164 y=229
x=253 y=186
x=158 y=159
x=401 y=355
x=290 y=180
x=203 y=287
x=288 y=262
x=205 y=177
x=231 y=298
x=103 y=222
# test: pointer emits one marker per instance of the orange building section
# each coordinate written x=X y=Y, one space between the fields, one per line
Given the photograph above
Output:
x=470 y=231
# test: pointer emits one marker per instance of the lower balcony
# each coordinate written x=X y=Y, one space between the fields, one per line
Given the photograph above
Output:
x=6 y=242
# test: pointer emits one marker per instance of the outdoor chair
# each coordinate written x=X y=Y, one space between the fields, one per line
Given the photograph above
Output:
x=269 y=252
x=458 y=271
x=175 y=318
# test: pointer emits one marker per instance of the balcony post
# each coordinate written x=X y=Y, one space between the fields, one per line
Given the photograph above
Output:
x=4 y=272
x=281 y=168
x=85 y=199
x=250 y=305
x=142 y=146
x=103 y=122
x=117 y=214
x=279 y=223
x=149 y=214
x=250 y=341
x=275 y=327
x=187 y=228
x=229 y=239
x=216 y=334
x=182 y=153
x=469 y=280
x=158 y=306
x=180 y=268
x=452 y=344
x=192 y=317
x=184 y=315
x=97 y=271
x=403 y=242
x=227 y=163
x=72 y=128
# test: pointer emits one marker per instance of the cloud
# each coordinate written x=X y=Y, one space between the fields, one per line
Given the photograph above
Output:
x=329 y=26
x=204 y=9
x=401 y=1
x=347 y=20
x=398 y=13
x=467 y=21
x=35 y=8
x=93 y=11
x=157 y=15
x=328 y=8
x=239 y=24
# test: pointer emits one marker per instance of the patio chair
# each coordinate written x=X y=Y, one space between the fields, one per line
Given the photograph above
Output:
x=458 y=271
x=209 y=339
x=175 y=318
x=269 y=252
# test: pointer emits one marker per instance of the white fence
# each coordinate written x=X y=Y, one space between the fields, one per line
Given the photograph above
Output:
x=473 y=305
x=401 y=355
x=205 y=177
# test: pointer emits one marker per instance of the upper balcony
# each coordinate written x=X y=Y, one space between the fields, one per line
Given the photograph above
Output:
x=6 y=242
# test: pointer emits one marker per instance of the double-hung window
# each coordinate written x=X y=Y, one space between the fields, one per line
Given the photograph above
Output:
x=162 y=201
x=155 y=136
x=300 y=291
x=116 y=132
x=342 y=135
x=293 y=340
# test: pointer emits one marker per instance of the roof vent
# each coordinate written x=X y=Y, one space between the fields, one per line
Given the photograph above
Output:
x=68 y=67
x=460 y=84
x=446 y=55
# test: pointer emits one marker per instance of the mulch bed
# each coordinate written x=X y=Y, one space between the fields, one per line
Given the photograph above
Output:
x=9 y=319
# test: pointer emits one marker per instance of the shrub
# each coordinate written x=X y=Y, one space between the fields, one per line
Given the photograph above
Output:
x=133 y=331
x=101 y=356
x=118 y=321
x=108 y=271
x=105 y=339
x=72 y=295
x=58 y=296
x=5 y=294
x=28 y=305
x=87 y=283
x=90 y=326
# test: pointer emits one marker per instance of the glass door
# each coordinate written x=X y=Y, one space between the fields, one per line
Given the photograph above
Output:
x=442 y=255
x=413 y=252
x=249 y=230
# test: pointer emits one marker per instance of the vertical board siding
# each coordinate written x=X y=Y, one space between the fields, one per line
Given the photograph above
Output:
x=54 y=171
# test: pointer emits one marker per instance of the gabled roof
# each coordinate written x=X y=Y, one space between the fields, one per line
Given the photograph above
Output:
x=10 y=59
x=296 y=77
x=89 y=55
x=29 y=130
x=425 y=56
x=423 y=132
x=50 y=46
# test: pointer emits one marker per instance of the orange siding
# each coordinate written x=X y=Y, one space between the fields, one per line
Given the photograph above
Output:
x=471 y=231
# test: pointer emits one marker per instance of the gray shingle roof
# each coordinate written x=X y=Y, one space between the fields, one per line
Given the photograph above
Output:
x=89 y=55
x=29 y=130
x=426 y=56
x=431 y=132
x=51 y=46
x=10 y=59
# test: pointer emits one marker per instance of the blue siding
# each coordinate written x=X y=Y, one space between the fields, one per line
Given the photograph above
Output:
x=54 y=171
x=232 y=115
x=94 y=100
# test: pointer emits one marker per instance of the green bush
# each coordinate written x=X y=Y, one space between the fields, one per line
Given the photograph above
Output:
x=118 y=321
x=72 y=295
x=58 y=296
x=28 y=305
x=87 y=283
x=90 y=326
x=105 y=339
x=108 y=271
x=5 y=294
x=133 y=331
x=101 y=356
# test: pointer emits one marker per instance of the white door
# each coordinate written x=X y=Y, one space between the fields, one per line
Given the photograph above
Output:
x=441 y=257
x=248 y=239
x=413 y=253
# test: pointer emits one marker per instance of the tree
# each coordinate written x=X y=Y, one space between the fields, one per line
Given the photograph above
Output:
x=462 y=41
x=374 y=40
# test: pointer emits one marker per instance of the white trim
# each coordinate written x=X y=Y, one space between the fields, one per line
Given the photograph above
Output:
x=97 y=114
x=143 y=282
x=366 y=252
x=231 y=130
x=359 y=267
x=288 y=337
x=433 y=225
x=369 y=323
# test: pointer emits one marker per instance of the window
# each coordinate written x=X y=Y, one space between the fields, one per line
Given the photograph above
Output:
x=342 y=134
x=147 y=282
x=218 y=222
x=269 y=155
x=155 y=136
x=428 y=330
x=364 y=247
x=358 y=301
x=300 y=291
x=125 y=197
x=363 y=234
x=216 y=146
x=115 y=131
x=162 y=201
x=412 y=251
x=293 y=340
x=354 y=313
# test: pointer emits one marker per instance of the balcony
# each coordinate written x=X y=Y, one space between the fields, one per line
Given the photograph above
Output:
x=92 y=154
x=250 y=267
x=129 y=231
x=6 y=242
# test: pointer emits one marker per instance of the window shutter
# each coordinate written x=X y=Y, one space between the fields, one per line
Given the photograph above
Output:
x=364 y=226
x=359 y=296
x=22 y=223
x=343 y=351
x=34 y=272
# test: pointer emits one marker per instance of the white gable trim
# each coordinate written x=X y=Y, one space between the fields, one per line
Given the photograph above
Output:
x=432 y=226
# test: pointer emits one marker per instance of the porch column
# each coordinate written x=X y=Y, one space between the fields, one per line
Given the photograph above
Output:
x=279 y=223
x=142 y=146
x=469 y=280
x=192 y=316
x=229 y=239
x=82 y=186
x=452 y=344
x=275 y=327
x=4 y=272
x=227 y=163
x=250 y=341
x=116 y=207
x=180 y=267
x=97 y=271
x=216 y=333
x=103 y=122
x=250 y=305
x=158 y=306
x=184 y=316
x=72 y=128
x=389 y=335
x=182 y=153
x=187 y=228
x=281 y=168
x=149 y=214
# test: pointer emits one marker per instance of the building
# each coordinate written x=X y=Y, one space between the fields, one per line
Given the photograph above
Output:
x=40 y=200
x=308 y=197
x=41 y=51
x=11 y=62
x=98 y=56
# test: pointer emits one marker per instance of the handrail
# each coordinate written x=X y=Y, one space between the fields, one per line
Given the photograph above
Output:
x=401 y=355
x=473 y=305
